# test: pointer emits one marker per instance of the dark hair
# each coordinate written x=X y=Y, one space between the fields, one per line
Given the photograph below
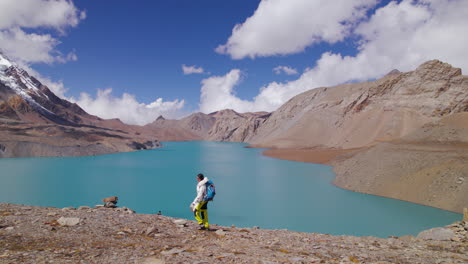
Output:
x=200 y=176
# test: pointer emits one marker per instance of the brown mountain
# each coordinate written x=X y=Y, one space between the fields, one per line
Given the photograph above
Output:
x=224 y=125
x=361 y=114
x=35 y=122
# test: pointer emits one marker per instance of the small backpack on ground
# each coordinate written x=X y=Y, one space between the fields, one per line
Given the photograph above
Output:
x=210 y=191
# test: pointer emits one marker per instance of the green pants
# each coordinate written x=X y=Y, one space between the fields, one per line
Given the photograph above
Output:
x=201 y=214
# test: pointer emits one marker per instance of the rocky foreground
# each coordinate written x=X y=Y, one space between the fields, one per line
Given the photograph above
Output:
x=101 y=235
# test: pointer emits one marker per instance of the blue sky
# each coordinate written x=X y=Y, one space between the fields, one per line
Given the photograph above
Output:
x=137 y=49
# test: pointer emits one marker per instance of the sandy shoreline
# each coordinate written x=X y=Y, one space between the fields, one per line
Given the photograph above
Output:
x=320 y=156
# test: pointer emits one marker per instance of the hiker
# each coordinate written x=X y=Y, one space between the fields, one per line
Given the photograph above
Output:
x=199 y=206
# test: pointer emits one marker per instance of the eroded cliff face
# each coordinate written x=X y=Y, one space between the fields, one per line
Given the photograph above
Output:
x=224 y=125
x=361 y=114
x=233 y=126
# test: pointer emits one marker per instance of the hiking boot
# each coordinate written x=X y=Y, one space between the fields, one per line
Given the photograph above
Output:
x=201 y=227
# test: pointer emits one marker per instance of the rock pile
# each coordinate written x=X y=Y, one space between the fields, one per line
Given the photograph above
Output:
x=110 y=202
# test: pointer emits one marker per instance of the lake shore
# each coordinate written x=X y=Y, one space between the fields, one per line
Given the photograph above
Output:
x=425 y=173
x=32 y=234
x=320 y=156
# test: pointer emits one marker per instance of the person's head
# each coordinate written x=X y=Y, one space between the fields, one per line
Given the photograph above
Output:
x=200 y=177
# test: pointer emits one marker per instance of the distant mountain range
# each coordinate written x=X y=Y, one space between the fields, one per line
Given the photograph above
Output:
x=408 y=131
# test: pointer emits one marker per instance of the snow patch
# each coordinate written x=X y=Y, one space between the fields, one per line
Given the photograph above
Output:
x=4 y=63
x=13 y=84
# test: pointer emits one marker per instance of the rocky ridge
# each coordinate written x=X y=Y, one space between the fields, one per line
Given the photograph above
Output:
x=361 y=114
x=101 y=235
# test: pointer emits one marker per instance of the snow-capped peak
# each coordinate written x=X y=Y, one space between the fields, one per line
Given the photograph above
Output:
x=18 y=79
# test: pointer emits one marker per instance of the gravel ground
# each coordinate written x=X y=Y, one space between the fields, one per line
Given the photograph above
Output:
x=100 y=235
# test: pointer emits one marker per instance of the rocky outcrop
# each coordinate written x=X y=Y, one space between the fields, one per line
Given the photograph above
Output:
x=225 y=125
x=233 y=126
x=102 y=235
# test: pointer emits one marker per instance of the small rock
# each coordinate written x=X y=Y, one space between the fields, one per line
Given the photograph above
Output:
x=180 y=222
x=438 y=233
x=456 y=239
x=407 y=238
x=153 y=261
x=150 y=230
x=9 y=228
x=220 y=232
x=51 y=214
x=120 y=233
x=296 y=259
x=68 y=221
x=68 y=208
x=256 y=227
x=84 y=208
x=173 y=251
x=110 y=205
x=268 y=262
x=98 y=206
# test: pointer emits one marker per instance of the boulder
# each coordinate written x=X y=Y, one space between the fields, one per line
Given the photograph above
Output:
x=180 y=222
x=438 y=233
x=68 y=221
x=220 y=232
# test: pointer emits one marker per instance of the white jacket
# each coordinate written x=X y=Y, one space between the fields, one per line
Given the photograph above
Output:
x=201 y=191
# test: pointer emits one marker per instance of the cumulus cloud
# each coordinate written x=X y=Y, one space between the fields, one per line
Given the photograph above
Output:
x=127 y=108
x=32 y=47
x=56 y=14
x=286 y=69
x=192 y=69
x=284 y=27
x=217 y=93
x=15 y=16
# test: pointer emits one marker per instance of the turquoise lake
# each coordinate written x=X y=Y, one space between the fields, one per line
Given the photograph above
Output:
x=252 y=189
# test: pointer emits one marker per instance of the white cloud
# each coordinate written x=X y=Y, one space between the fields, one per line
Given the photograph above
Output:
x=56 y=14
x=286 y=69
x=127 y=108
x=284 y=27
x=192 y=69
x=399 y=35
x=217 y=93
x=32 y=47
x=15 y=16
